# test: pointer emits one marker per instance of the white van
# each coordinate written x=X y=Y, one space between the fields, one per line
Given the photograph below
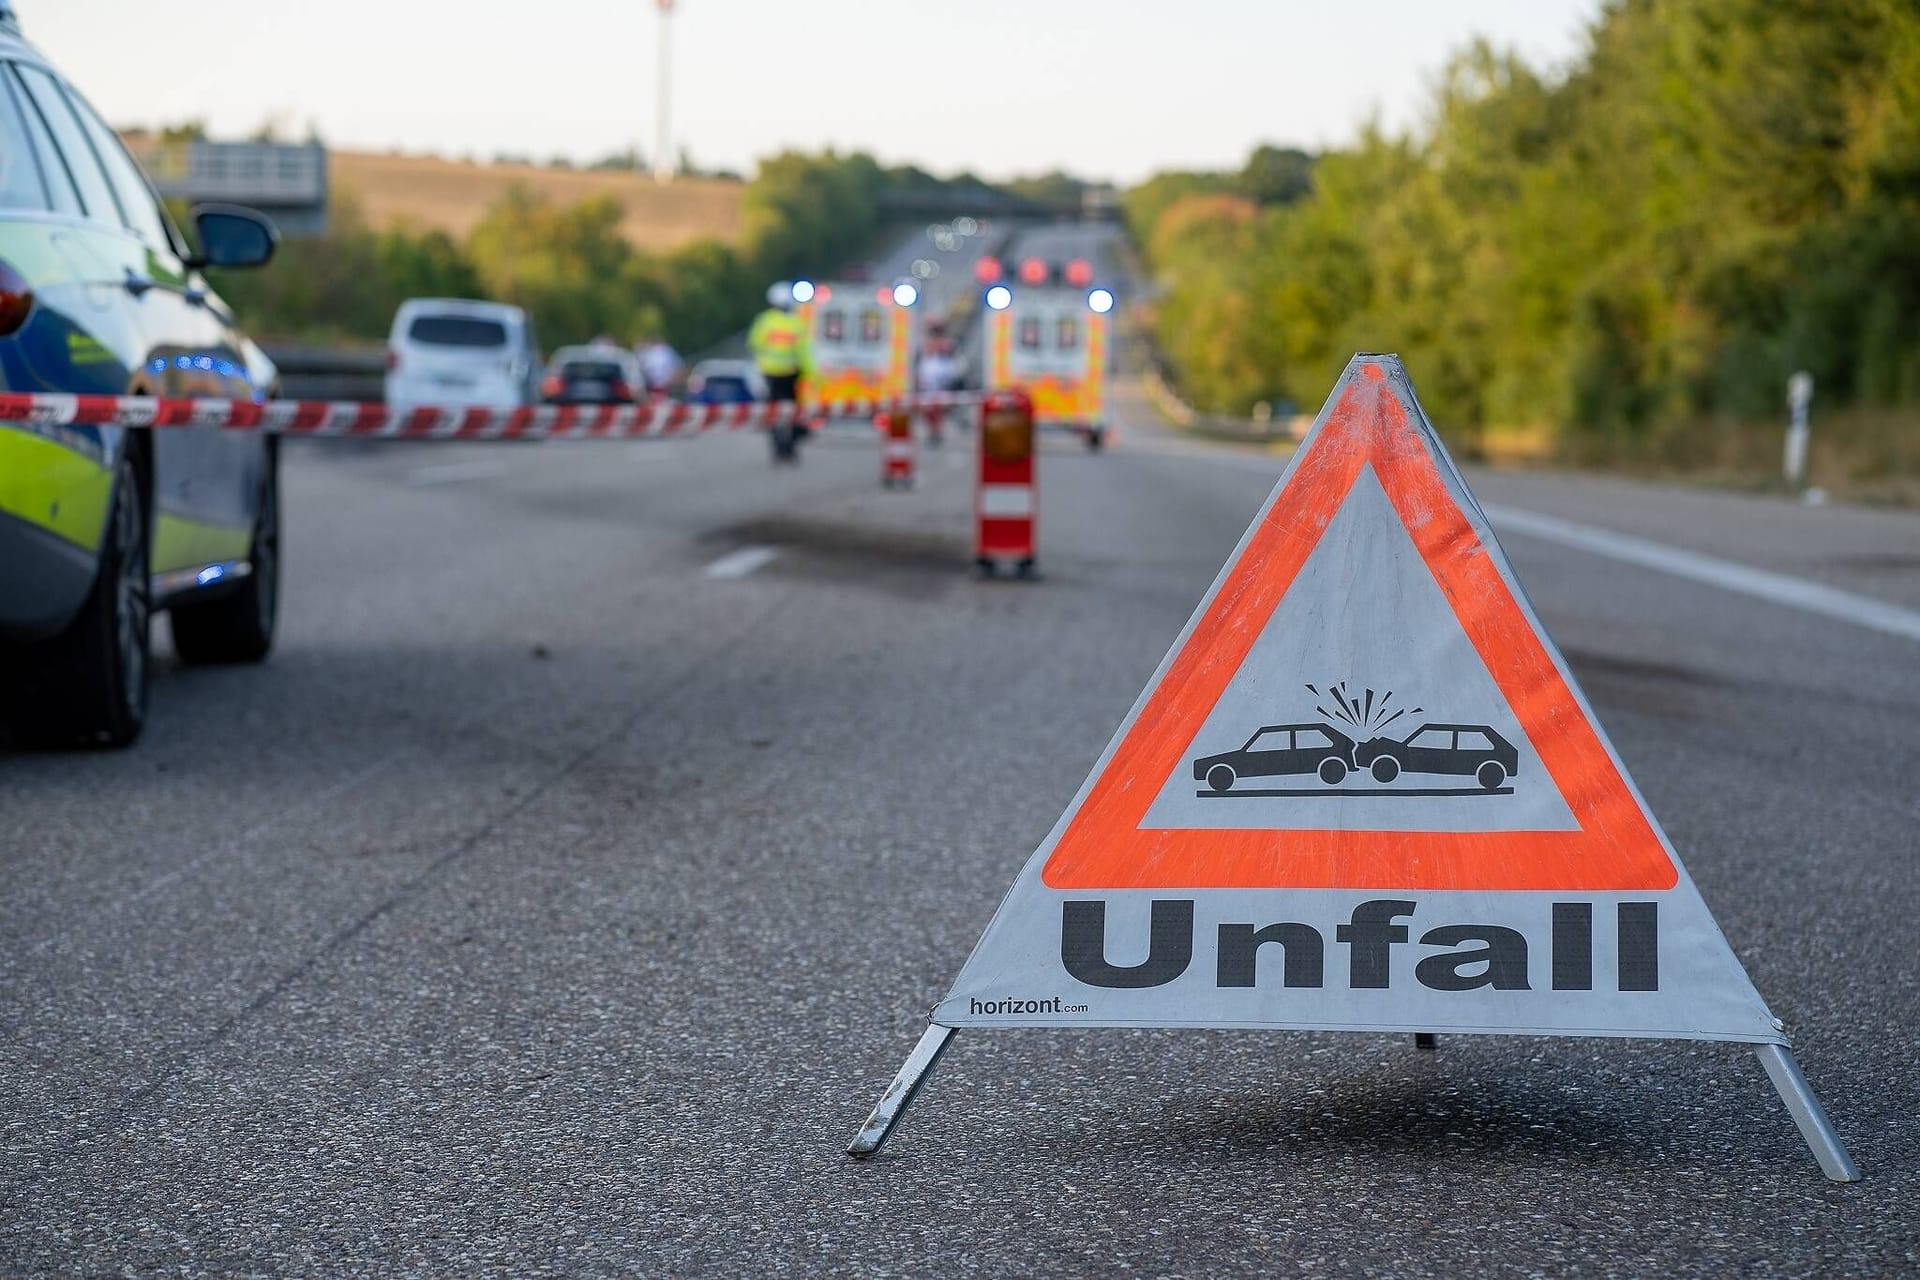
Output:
x=456 y=352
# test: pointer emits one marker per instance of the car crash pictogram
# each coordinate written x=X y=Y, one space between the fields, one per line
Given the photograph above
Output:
x=1318 y=749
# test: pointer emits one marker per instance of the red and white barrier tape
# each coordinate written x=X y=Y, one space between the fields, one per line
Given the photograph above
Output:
x=378 y=421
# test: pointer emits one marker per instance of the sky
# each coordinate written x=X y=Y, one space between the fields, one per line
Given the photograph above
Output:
x=1113 y=89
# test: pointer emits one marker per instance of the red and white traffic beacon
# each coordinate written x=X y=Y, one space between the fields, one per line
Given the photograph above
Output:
x=1005 y=497
x=896 y=447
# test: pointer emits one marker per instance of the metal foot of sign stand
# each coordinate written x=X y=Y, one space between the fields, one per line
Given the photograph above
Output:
x=1426 y=1040
x=894 y=1102
x=1802 y=1105
x=1808 y=1113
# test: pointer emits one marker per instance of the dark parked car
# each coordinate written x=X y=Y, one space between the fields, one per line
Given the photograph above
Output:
x=596 y=374
x=725 y=382
x=1279 y=750
x=1461 y=750
x=100 y=526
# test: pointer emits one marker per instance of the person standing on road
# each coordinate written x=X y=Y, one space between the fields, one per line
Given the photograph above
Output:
x=937 y=370
x=778 y=341
x=660 y=365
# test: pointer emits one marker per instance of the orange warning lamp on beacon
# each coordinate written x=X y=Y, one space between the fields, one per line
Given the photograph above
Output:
x=1006 y=427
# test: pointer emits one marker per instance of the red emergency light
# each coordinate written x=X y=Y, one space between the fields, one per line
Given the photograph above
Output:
x=986 y=270
x=822 y=293
x=1033 y=271
x=1079 y=273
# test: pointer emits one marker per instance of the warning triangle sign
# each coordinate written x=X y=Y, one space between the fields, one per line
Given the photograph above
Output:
x=1363 y=792
x=1363 y=702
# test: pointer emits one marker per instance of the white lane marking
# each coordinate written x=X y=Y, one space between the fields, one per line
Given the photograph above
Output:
x=738 y=564
x=454 y=473
x=1728 y=575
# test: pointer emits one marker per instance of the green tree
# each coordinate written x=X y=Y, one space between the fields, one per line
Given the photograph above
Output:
x=1719 y=193
x=1276 y=175
x=568 y=265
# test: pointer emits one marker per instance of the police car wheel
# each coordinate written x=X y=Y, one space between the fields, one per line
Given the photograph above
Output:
x=88 y=685
x=239 y=627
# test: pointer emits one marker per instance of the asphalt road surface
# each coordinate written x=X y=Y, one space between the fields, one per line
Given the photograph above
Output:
x=566 y=888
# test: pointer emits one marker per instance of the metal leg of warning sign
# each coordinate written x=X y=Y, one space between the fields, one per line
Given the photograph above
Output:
x=1807 y=1112
x=899 y=1095
x=1426 y=1040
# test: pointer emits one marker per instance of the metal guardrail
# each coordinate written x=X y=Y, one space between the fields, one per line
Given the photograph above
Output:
x=1280 y=427
x=309 y=372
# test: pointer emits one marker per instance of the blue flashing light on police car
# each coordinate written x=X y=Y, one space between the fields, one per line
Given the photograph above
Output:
x=803 y=291
x=999 y=298
x=905 y=294
x=1100 y=301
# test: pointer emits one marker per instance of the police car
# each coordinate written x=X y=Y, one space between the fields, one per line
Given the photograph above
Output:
x=102 y=526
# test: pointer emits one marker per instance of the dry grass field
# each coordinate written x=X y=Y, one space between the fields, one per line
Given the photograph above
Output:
x=429 y=192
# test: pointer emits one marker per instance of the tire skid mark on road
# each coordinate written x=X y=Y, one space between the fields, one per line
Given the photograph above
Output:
x=112 y=1115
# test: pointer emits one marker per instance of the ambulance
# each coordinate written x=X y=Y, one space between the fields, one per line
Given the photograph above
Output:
x=860 y=337
x=1048 y=333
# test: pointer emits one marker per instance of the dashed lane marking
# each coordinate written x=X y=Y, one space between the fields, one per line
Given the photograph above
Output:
x=738 y=564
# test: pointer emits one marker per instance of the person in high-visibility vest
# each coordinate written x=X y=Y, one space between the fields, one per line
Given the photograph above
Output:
x=778 y=341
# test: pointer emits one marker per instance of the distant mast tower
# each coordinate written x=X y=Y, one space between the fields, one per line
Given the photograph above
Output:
x=663 y=160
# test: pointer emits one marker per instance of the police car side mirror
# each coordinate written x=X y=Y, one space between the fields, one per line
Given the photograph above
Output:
x=232 y=236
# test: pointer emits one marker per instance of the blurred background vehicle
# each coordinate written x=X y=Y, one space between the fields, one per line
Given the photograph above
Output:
x=458 y=352
x=102 y=526
x=1049 y=334
x=859 y=341
x=599 y=373
x=725 y=382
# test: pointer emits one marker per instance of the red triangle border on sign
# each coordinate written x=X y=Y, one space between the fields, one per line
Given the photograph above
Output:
x=1615 y=848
